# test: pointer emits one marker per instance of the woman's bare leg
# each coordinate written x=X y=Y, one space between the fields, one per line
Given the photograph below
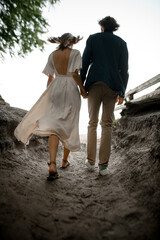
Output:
x=53 y=148
x=65 y=157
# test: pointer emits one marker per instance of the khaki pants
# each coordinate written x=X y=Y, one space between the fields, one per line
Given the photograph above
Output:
x=100 y=93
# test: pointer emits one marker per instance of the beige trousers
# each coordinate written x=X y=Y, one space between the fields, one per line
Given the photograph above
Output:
x=98 y=94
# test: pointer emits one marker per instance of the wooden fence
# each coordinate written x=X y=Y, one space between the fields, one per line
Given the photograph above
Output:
x=129 y=96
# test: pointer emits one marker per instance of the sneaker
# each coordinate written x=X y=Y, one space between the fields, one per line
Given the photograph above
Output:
x=90 y=165
x=103 y=170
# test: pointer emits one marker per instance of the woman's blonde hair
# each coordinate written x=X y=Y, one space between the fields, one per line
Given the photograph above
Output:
x=65 y=40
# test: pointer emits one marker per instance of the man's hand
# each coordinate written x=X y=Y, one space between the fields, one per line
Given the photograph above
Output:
x=83 y=93
x=119 y=100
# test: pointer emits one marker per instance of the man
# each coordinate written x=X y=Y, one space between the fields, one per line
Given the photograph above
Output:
x=105 y=73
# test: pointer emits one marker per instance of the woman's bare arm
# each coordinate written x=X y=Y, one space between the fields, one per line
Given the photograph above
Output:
x=50 y=79
x=78 y=80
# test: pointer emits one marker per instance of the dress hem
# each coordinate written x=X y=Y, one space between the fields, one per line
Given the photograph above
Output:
x=48 y=133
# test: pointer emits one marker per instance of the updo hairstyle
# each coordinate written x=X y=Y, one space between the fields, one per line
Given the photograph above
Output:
x=65 y=41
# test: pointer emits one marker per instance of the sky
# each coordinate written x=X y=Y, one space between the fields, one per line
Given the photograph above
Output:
x=21 y=79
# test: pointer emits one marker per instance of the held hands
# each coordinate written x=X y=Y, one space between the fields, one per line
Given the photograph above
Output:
x=119 y=100
x=83 y=92
x=78 y=80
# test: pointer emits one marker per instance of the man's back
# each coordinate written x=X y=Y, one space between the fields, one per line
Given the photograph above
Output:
x=107 y=56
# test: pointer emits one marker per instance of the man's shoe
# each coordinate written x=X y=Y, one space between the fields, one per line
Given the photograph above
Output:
x=103 y=170
x=89 y=166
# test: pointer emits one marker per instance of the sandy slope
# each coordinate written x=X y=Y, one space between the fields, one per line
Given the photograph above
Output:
x=79 y=205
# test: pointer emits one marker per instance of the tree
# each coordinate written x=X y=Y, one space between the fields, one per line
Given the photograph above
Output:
x=21 y=25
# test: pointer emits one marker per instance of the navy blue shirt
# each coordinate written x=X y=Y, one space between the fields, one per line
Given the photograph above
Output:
x=105 y=59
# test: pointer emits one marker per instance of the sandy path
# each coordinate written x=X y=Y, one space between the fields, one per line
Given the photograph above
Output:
x=78 y=205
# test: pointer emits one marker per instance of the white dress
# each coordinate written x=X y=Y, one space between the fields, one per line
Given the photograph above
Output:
x=57 y=110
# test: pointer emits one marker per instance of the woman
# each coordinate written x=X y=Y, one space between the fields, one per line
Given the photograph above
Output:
x=56 y=113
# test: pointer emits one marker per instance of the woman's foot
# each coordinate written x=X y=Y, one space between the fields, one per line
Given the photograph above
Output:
x=65 y=164
x=52 y=167
x=53 y=174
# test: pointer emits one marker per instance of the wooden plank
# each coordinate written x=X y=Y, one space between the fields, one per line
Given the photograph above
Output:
x=120 y=107
x=143 y=86
x=154 y=94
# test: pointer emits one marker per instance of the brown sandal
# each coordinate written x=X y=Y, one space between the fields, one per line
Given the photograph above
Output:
x=67 y=163
x=52 y=175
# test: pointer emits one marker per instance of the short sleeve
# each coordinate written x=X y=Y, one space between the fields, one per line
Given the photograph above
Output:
x=75 y=62
x=49 y=68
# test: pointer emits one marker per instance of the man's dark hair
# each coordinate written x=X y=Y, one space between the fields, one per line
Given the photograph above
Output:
x=109 y=24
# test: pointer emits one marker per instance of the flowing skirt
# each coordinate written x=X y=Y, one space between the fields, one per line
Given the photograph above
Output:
x=56 y=112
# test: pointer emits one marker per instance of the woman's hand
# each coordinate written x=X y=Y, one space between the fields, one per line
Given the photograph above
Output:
x=83 y=92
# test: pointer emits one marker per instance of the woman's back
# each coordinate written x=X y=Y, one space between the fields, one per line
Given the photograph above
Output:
x=61 y=59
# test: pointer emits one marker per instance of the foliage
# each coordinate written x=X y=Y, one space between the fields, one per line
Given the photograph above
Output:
x=21 y=25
